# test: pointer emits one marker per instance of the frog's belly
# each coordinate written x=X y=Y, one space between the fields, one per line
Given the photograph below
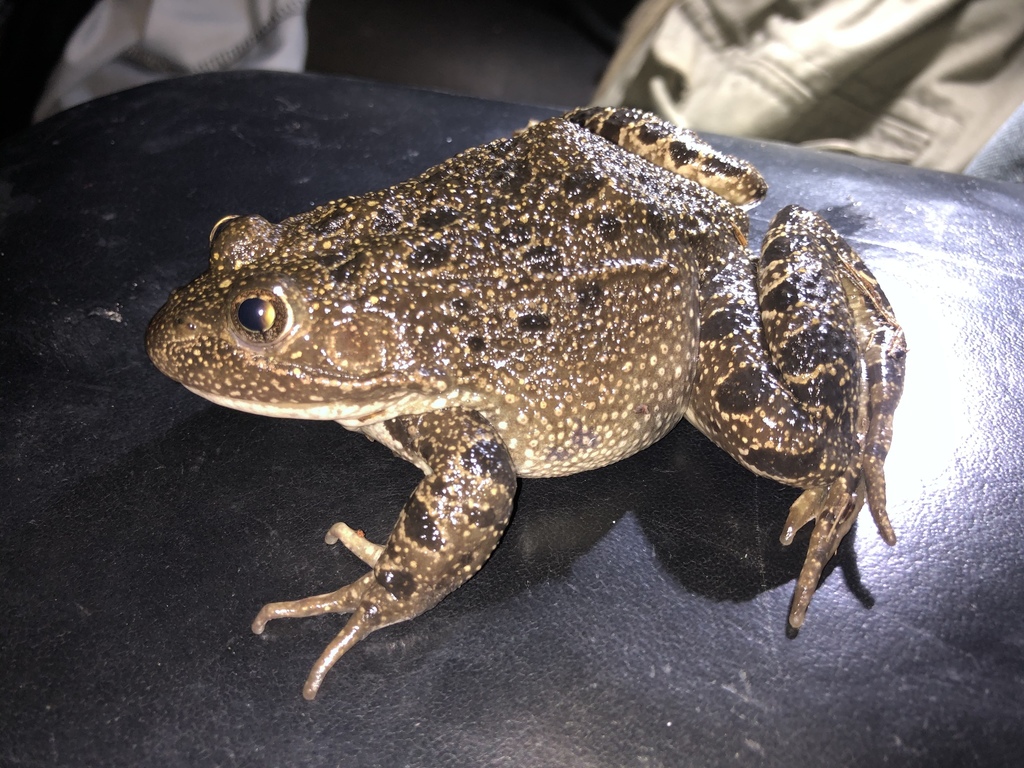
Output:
x=586 y=405
x=578 y=445
x=578 y=430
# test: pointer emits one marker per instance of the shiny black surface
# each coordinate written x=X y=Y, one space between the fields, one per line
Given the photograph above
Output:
x=633 y=615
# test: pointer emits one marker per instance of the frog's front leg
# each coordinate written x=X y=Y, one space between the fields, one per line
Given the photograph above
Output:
x=444 y=534
x=800 y=382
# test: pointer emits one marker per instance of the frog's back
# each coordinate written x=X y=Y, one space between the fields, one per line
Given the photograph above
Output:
x=547 y=279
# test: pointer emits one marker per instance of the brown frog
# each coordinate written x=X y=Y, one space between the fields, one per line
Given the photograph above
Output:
x=539 y=306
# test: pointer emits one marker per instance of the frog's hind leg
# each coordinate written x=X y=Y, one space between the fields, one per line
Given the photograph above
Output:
x=801 y=370
x=444 y=534
x=841 y=353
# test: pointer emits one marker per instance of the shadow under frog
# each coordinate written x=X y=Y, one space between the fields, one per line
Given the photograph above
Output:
x=151 y=572
x=713 y=527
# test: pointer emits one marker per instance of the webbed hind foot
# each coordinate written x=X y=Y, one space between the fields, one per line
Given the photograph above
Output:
x=834 y=510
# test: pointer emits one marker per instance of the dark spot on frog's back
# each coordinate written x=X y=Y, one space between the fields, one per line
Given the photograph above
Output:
x=501 y=147
x=516 y=233
x=510 y=174
x=582 y=185
x=385 y=221
x=543 y=258
x=437 y=217
x=476 y=343
x=400 y=584
x=534 y=322
x=347 y=271
x=657 y=223
x=429 y=255
x=588 y=294
x=608 y=227
x=331 y=221
x=328 y=225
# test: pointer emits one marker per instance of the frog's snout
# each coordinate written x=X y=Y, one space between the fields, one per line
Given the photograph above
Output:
x=167 y=331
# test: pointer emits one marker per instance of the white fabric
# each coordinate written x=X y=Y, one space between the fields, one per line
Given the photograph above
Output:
x=124 y=43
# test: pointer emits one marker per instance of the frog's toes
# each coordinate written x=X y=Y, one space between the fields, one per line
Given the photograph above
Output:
x=344 y=600
x=367 y=617
x=833 y=509
x=355 y=542
x=374 y=602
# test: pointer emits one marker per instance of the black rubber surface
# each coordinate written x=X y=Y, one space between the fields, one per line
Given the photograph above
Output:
x=633 y=615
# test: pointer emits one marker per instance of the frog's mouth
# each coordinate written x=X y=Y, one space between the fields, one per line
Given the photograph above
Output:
x=265 y=388
x=352 y=414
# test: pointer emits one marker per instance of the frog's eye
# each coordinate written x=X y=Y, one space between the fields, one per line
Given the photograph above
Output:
x=262 y=317
x=256 y=314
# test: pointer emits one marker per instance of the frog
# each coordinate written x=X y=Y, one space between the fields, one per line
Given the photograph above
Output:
x=545 y=304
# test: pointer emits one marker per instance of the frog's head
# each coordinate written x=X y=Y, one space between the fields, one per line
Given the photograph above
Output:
x=268 y=331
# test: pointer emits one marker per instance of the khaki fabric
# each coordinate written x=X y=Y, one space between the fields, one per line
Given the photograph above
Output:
x=924 y=82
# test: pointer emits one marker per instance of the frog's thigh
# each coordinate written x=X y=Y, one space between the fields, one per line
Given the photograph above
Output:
x=810 y=333
x=676 y=149
x=778 y=384
x=834 y=340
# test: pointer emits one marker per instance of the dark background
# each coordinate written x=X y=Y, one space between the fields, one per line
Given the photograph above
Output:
x=528 y=51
